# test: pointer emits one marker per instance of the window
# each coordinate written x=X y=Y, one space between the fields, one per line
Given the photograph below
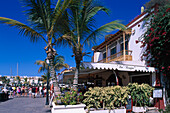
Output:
x=122 y=46
x=113 y=51
x=104 y=55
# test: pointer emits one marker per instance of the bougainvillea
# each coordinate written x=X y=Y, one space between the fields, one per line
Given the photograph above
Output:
x=156 y=40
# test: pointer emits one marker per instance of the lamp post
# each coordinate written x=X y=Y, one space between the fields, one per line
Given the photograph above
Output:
x=48 y=74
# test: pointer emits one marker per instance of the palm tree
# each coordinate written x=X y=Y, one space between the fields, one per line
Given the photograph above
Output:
x=18 y=79
x=3 y=79
x=46 y=22
x=82 y=30
x=26 y=80
x=44 y=78
x=58 y=65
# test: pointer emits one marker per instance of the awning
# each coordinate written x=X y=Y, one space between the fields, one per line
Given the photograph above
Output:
x=116 y=66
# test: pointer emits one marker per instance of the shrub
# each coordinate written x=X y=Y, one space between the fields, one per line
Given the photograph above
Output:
x=71 y=97
x=140 y=93
x=106 y=97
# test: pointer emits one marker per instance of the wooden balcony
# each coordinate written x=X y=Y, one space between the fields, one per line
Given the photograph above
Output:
x=120 y=56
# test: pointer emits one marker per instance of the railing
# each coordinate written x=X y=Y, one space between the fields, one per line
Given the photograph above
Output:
x=102 y=61
x=119 y=57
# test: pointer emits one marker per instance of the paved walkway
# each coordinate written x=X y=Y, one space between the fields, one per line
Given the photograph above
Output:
x=24 y=105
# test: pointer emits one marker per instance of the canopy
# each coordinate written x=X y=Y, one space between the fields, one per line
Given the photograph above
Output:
x=116 y=66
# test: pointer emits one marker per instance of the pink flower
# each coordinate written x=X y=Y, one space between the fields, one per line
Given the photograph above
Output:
x=167 y=9
x=151 y=44
x=163 y=67
x=156 y=38
x=152 y=39
x=164 y=33
x=150 y=34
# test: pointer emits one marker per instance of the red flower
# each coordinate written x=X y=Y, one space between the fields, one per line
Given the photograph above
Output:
x=150 y=34
x=152 y=39
x=163 y=67
x=167 y=9
x=148 y=61
x=152 y=29
x=151 y=44
x=163 y=14
x=148 y=66
x=137 y=41
x=164 y=74
x=164 y=33
x=156 y=38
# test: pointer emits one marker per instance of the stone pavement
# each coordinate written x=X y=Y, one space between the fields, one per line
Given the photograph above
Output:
x=24 y=105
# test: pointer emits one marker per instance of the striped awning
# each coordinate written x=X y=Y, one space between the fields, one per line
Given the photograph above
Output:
x=116 y=66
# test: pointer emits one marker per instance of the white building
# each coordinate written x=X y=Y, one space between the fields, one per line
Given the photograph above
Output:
x=117 y=61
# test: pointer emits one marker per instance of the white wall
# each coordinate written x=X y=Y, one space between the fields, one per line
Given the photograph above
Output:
x=136 y=50
x=98 y=56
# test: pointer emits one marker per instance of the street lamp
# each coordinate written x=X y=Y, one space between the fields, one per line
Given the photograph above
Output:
x=48 y=74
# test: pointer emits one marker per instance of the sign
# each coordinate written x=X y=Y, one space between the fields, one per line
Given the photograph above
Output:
x=157 y=93
x=129 y=105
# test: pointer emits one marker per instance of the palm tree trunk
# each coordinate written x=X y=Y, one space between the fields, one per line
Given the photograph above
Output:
x=75 y=82
x=53 y=75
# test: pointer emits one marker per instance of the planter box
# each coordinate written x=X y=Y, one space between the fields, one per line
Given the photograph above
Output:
x=79 y=108
x=112 y=111
x=139 y=109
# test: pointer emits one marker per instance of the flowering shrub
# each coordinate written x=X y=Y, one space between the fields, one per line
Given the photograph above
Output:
x=157 y=40
x=71 y=97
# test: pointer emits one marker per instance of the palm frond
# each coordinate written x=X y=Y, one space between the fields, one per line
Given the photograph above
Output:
x=100 y=32
x=24 y=29
x=58 y=12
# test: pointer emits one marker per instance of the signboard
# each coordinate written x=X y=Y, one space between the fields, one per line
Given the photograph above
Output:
x=157 y=93
x=129 y=105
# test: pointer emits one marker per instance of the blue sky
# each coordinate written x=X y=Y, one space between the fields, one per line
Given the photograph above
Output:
x=16 y=48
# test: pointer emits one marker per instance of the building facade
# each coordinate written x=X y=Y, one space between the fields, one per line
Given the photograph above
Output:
x=118 y=61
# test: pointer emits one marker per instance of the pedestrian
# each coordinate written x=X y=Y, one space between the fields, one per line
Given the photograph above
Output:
x=30 y=92
x=42 y=91
x=26 y=91
x=33 y=92
x=40 y=88
x=23 y=90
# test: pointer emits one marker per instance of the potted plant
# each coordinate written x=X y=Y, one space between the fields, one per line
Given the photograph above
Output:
x=117 y=98
x=140 y=95
x=95 y=98
x=106 y=99
x=70 y=102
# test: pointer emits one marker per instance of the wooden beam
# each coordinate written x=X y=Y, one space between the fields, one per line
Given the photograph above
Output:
x=123 y=46
x=106 y=53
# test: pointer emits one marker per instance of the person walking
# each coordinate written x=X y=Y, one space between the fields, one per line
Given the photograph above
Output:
x=26 y=91
x=33 y=92
x=40 y=92
x=23 y=91
x=30 y=92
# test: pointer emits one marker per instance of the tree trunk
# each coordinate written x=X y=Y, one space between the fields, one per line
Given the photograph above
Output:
x=53 y=75
x=75 y=82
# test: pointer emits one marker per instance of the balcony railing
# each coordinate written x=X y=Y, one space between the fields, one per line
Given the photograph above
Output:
x=119 y=57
